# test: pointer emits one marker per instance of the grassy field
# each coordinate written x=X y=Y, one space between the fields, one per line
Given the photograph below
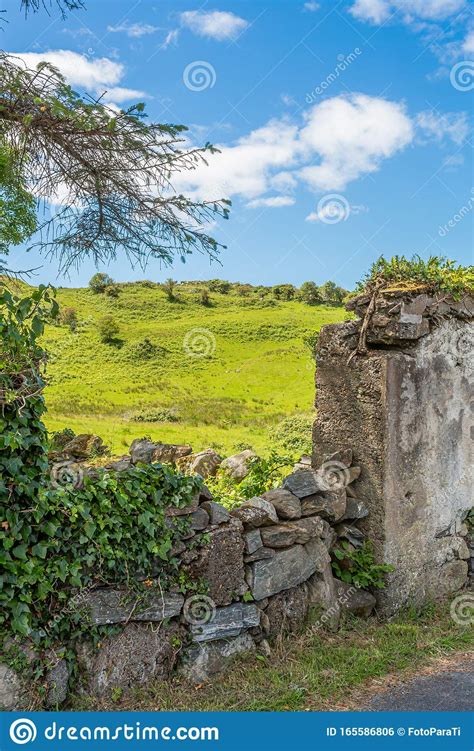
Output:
x=313 y=671
x=228 y=372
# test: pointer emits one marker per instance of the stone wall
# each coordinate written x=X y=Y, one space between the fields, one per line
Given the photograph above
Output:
x=264 y=563
x=404 y=404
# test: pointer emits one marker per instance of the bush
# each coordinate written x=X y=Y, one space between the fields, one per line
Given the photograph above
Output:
x=219 y=285
x=436 y=274
x=154 y=415
x=309 y=293
x=99 y=282
x=204 y=298
x=264 y=474
x=294 y=434
x=68 y=317
x=145 y=349
x=169 y=288
x=360 y=568
x=112 y=290
x=84 y=534
x=108 y=329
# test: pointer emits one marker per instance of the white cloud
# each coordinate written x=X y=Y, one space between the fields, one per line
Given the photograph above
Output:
x=120 y=94
x=352 y=136
x=78 y=70
x=134 y=30
x=374 y=11
x=273 y=202
x=94 y=75
x=340 y=140
x=439 y=127
x=378 y=11
x=312 y=6
x=468 y=44
x=215 y=24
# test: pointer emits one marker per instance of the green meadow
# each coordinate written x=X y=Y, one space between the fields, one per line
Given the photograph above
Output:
x=222 y=375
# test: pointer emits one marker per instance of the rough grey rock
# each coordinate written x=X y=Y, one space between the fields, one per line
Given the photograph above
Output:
x=304 y=462
x=11 y=693
x=288 y=533
x=287 y=505
x=220 y=563
x=351 y=534
x=322 y=595
x=259 y=555
x=199 y=519
x=353 y=473
x=256 y=512
x=359 y=602
x=108 y=606
x=318 y=554
x=253 y=541
x=202 y=661
x=355 y=510
x=304 y=482
x=331 y=505
x=120 y=465
x=329 y=535
x=145 y=451
x=137 y=655
x=84 y=446
x=227 y=622
x=57 y=681
x=286 y=612
x=204 y=463
x=217 y=513
x=286 y=569
x=237 y=466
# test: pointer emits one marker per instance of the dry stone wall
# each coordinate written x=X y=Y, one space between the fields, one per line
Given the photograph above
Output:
x=264 y=564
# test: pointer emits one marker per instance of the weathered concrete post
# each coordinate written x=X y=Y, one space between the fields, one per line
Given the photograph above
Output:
x=406 y=409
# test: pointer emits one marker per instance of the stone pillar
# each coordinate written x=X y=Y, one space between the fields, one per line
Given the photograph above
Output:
x=405 y=408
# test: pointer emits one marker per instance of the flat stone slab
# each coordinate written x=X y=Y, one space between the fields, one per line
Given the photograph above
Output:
x=227 y=622
x=285 y=570
x=108 y=606
x=450 y=691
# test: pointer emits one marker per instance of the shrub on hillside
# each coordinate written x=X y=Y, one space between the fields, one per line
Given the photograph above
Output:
x=219 y=285
x=309 y=293
x=310 y=341
x=112 y=290
x=145 y=349
x=204 y=298
x=294 y=434
x=68 y=317
x=99 y=282
x=108 y=329
x=169 y=288
x=152 y=414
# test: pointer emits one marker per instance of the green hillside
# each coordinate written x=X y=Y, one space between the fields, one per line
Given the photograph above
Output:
x=227 y=385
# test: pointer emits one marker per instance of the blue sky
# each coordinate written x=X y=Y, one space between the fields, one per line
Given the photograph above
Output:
x=344 y=126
